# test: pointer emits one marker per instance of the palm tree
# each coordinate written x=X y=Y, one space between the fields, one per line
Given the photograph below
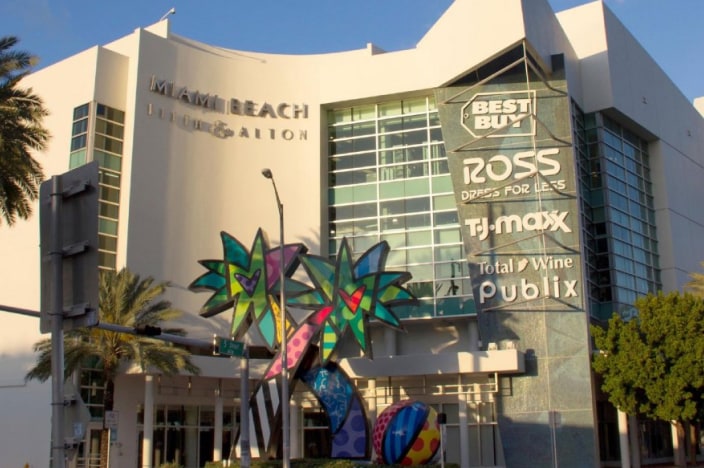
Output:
x=696 y=285
x=127 y=300
x=21 y=114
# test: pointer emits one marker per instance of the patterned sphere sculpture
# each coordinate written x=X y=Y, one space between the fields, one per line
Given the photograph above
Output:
x=406 y=433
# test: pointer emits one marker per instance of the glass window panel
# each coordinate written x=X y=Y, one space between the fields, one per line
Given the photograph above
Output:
x=110 y=113
x=390 y=108
x=108 y=161
x=111 y=194
x=449 y=217
x=442 y=184
x=439 y=167
x=416 y=187
x=364 y=112
x=613 y=155
x=437 y=151
x=616 y=185
x=365 y=226
x=107 y=226
x=423 y=308
x=340 y=229
x=396 y=155
x=419 y=238
x=339 y=131
x=444 y=202
x=389 y=141
x=448 y=236
x=393 y=224
x=78 y=142
x=340 y=115
x=364 y=128
x=364 y=192
x=363 y=243
x=395 y=240
x=80 y=126
x=340 y=146
x=420 y=255
x=421 y=272
x=107 y=243
x=109 y=211
x=612 y=140
x=109 y=178
x=615 y=170
x=418 y=221
x=396 y=258
x=618 y=201
x=391 y=190
x=448 y=252
x=414 y=105
x=363 y=144
x=391 y=125
x=433 y=119
x=107 y=260
x=415 y=137
x=392 y=173
x=109 y=128
x=341 y=195
x=77 y=158
x=80 y=112
x=417 y=153
x=415 y=121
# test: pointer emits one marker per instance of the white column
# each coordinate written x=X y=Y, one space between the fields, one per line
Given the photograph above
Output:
x=371 y=407
x=634 y=438
x=677 y=449
x=464 y=430
x=148 y=440
x=296 y=428
x=623 y=439
x=217 y=438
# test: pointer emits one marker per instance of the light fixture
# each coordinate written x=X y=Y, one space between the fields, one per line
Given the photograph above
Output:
x=172 y=11
x=285 y=407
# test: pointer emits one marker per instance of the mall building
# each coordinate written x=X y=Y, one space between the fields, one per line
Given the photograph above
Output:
x=533 y=171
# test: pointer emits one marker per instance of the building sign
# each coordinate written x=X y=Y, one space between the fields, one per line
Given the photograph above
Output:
x=512 y=165
x=495 y=115
x=234 y=106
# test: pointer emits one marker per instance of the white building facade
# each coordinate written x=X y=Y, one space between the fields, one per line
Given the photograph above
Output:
x=366 y=145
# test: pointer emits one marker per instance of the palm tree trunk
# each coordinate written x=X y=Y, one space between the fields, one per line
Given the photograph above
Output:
x=104 y=447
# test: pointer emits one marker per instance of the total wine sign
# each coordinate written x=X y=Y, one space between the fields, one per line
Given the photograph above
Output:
x=510 y=156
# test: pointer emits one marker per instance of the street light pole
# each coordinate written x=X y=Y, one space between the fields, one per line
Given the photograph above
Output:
x=285 y=407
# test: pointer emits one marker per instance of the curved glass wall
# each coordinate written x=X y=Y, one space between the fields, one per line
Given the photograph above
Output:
x=388 y=181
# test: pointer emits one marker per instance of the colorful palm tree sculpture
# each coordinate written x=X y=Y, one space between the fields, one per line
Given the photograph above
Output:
x=345 y=295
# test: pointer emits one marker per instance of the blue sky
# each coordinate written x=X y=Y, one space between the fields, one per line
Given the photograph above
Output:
x=55 y=29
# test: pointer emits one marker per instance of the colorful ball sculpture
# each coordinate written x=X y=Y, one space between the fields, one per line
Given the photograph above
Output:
x=406 y=433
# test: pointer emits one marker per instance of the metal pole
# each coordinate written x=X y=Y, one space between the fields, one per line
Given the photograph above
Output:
x=245 y=449
x=58 y=451
x=285 y=407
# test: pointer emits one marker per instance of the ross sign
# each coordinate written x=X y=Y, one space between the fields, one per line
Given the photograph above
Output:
x=229 y=347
